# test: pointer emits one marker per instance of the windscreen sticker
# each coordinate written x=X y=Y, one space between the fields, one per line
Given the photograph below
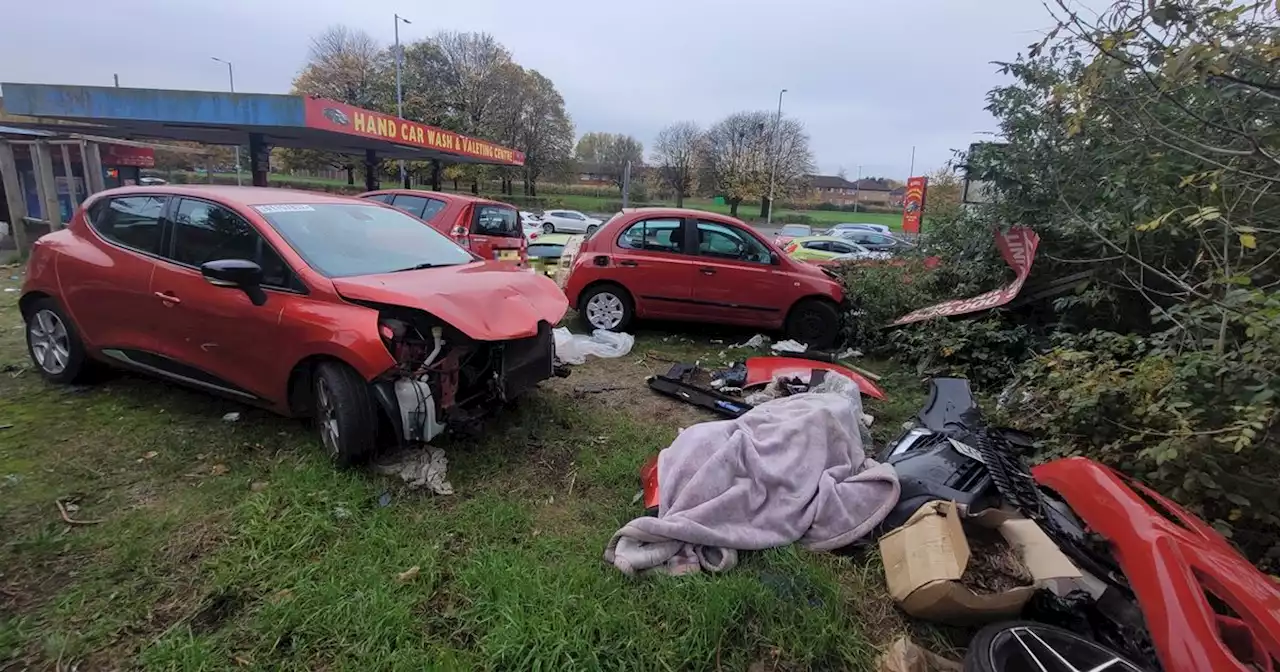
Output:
x=285 y=207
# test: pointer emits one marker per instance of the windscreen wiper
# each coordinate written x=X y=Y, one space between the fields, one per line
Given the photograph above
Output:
x=421 y=266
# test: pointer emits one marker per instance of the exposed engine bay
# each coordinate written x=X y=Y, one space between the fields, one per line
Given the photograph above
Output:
x=443 y=378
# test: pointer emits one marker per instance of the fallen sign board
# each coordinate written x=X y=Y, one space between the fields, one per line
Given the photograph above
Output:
x=1018 y=247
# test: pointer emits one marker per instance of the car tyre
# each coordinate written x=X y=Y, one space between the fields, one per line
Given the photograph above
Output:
x=548 y=228
x=344 y=412
x=996 y=648
x=54 y=344
x=592 y=229
x=814 y=322
x=607 y=306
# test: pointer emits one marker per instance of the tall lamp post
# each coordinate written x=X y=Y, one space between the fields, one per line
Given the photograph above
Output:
x=404 y=179
x=773 y=169
x=231 y=80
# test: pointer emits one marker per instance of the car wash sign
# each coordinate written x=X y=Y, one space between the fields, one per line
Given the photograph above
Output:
x=330 y=115
x=1018 y=247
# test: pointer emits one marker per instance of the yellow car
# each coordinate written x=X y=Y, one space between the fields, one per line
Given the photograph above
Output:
x=825 y=248
x=545 y=250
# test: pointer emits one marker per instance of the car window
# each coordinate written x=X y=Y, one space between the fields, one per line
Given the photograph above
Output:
x=545 y=250
x=348 y=239
x=841 y=248
x=574 y=216
x=204 y=232
x=877 y=239
x=381 y=198
x=653 y=235
x=726 y=242
x=820 y=245
x=496 y=220
x=410 y=204
x=132 y=221
x=796 y=230
x=554 y=213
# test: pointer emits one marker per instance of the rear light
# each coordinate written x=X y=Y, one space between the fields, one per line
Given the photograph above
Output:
x=460 y=236
x=791 y=247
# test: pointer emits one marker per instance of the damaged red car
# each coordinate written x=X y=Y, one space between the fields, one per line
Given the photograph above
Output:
x=347 y=311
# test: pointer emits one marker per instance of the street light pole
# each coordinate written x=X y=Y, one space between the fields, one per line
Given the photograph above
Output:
x=231 y=81
x=404 y=180
x=773 y=169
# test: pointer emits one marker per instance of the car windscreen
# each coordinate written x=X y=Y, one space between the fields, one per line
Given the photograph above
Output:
x=796 y=230
x=497 y=220
x=345 y=239
x=546 y=250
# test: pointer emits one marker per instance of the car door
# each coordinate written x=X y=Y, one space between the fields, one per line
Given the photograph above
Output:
x=214 y=336
x=736 y=280
x=495 y=232
x=651 y=261
x=107 y=290
x=570 y=221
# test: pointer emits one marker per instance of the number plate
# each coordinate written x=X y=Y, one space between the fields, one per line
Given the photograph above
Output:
x=508 y=255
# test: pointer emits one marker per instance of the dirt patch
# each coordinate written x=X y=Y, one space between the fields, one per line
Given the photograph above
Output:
x=620 y=384
x=994 y=566
x=216 y=610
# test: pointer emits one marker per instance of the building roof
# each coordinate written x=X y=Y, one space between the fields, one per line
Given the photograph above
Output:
x=837 y=182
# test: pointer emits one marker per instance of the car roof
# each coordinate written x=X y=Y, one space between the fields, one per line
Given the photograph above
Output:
x=233 y=194
x=552 y=239
x=859 y=225
x=834 y=239
x=681 y=212
x=444 y=196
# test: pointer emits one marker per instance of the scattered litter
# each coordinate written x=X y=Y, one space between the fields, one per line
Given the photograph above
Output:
x=757 y=341
x=218 y=470
x=717 y=341
x=574 y=348
x=596 y=389
x=150 y=454
x=233 y=416
x=409 y=574
x=341 y=512
x=418 y=468
x=66 y=508
x=10 y=289
x=734 y=376
x=904 y=655
x=12 y=479
x=6 y=426
x=849 y=353
x=280 y=595
x=257 y=486
x=789 y=346
x=384 y=500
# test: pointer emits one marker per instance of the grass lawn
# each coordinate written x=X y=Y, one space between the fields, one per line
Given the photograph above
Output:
x=224 y=544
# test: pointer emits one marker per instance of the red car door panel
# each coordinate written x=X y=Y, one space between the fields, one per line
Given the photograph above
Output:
x=648 y=261
x=105 y=281
x=736 y=280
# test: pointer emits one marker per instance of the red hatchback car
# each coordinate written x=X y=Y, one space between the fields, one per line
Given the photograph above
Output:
x=678 y=264
x=348 y=311
x=488 y=228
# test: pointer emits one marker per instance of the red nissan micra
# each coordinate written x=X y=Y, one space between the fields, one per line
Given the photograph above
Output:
x=345 y=310
x=677 y=264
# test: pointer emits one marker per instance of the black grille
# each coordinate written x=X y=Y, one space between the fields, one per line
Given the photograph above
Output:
x=527 y=361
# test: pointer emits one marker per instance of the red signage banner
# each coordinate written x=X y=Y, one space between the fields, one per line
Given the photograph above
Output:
x=913 y=204
x=1018 y=247
x=330 y=115
x=125 y=155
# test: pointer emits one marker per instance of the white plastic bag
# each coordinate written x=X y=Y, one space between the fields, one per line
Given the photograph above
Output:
x=573 y=348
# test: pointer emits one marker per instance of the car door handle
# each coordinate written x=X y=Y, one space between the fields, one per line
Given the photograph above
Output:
x=707 y=270
x=168 y=298
x=628 y=262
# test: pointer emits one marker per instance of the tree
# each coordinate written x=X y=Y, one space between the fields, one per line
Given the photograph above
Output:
x=746 y=149
x=348 y=65
x=591 y=147
x=675 y=155
x=292 y=159
x=623 y=150
x=545 y=130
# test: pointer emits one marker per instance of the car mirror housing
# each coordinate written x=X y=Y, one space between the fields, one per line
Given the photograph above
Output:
x=240 y=273
x=775 y=258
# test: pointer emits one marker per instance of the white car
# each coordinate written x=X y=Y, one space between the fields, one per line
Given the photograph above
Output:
x=878 y=228
x=568 y=221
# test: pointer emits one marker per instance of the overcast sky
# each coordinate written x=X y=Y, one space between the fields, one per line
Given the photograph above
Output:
x=868 y=79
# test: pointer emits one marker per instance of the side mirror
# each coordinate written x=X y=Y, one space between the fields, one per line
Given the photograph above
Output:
x=774 y=258
x=240 y=273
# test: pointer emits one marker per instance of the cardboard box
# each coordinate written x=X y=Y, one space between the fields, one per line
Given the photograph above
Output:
x=925 y=558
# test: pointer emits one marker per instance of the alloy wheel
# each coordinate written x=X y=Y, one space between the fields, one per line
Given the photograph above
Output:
x=326 y=416
x=50 y=342
x=604 y=311
x=548 y=228
x=1043 y=649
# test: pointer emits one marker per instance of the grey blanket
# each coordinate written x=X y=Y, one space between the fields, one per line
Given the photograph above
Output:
x=792 y=469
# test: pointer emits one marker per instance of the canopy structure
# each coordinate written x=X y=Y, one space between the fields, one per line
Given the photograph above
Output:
x=259 y=120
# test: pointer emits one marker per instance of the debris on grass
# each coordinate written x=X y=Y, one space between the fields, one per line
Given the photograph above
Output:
x=384 y=500
x=9 y=426
x=341 y=512
x=904 y=655
x=757 y=341
x=257 y=486
x=233 y=416
x=68 y=507
x=574 y=348
x=408 y=575
x=418 y=468
x=218 y=470
x=789 y=346
x=994 y=565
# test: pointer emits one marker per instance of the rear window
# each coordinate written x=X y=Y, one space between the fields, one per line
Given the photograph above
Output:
x=540 y=251
x=796 y=230
x=497 y=220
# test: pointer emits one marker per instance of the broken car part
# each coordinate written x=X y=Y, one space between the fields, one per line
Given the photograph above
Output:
x=1026 y=645
x=675 y=383
x=762 y=370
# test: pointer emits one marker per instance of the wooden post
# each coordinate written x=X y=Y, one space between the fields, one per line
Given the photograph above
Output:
x=91 y=160
x=71 y=178
x=13 y=195
x=48 y=187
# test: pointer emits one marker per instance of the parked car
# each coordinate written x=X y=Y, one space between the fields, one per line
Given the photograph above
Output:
x=872 y=240
x=307 y=304
x=677 y=264
x=152 y=181
x=545 y=251
x=570 y=221
x=790 y=231
x=488 y=228
x=824 y=248
x=878 y=228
